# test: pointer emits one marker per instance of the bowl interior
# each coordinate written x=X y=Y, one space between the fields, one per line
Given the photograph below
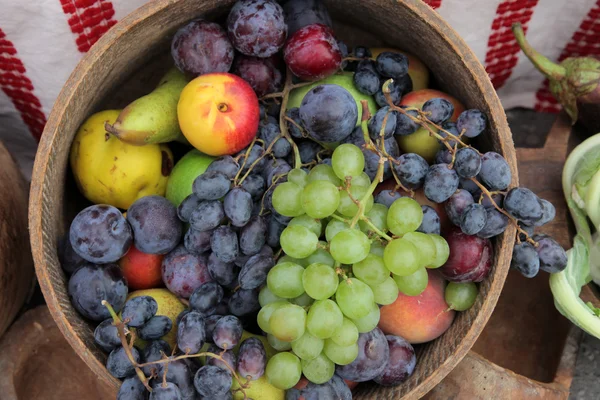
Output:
x=130 y=59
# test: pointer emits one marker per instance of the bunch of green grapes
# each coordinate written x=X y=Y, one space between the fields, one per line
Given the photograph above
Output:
x=323 y=293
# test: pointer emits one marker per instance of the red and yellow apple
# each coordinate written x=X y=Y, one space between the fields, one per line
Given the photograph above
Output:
x=416 y=69
x=421 y=142
x=141 y=270
x=218 y=113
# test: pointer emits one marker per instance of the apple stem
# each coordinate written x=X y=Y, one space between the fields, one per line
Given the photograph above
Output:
x=282 y=118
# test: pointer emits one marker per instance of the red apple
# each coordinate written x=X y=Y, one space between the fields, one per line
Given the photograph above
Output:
x=218 y=113
x=470 y=257
x=141 y=270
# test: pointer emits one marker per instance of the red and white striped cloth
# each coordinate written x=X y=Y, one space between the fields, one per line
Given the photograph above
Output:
x=42 y=41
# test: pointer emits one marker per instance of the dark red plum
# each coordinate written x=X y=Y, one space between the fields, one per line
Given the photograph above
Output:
x=260 y=73
x=312 y=53
x=401 y=363
x=155 y=224
x=470 y=258
x=183 y=272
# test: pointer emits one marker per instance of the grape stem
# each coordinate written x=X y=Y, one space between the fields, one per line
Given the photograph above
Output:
x=375 y=229
x=282 y=124
x=282 y=93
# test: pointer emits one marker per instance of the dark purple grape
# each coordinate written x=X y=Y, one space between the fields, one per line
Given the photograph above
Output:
x=132 y=389
x=211 y=381
x=139 y=310
x=209 y=326
x=252 y=359
x=183 y=272
x=401 y=363
x=495 y=224
x=523 y=205
x=276 y=169
x=450 y=127
x=255 y=160
x=273 y=109
x=294 y=129
x=227 y=165
x=300 y=13
x=467 y=163
x=269 y=131
x=187 y=206
x=497 y=198
x=431 y=221
x=529 y=229
x=205 y=298
x=525 y=259
x=180 y=315
x=372 y=158
x=495 y=172
x=373 y=356
x=471 y=187
x=197 y=242
x=91 y=284
x=227 y=332
x=224 y=244
x=404 y=124
x=181 y=375
x=154 y=351
x=211 y=185
x=118 y=365
x=253 y=236
x=397 y=89
x=344 y=50
x=257 y=27
x=201 y=47
x=260 y=73
x=244 y=302
x=223 y=273
x=553 y=258
x=156 y=227
x=238 y=207
x=69 y=260
x=190 y=333
x=366 y=78
x=254 y=272
x=255 y=185
x=440 y=110
x=392 y=65
x=472 y=121
x=411 y=170
x=100 y=234
x=548 y=213
x=456 y=204
x=274 y=229
x=308 y=151
x=241 y=260
x=440 y=183
x=228 y=356
x=387 y=197
x=443 y=156
x=376 y=123
x=166 y=391
x=156 y=327
x=340 y=388
x=329 y=113
x=473 y=219
x=207 y=216
x=106 y=335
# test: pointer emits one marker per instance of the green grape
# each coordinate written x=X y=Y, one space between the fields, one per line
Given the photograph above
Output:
x=285 y=258
x=425 y=245
x=313 y=224
x=346 y=334
x=347 y=160
x=401 y=257
x=371 y=270
x=321 y=256
x=386 y=292
x=377 y=248
x=277 y=344
x=333 y=228
x=308 y=346
x=349 y=246
x=320 y=199
x=264 y=315
x=320 y=281
x=324 y=317
x=323 y=172
x=298 y=176
x=285 y=280
x=303 y=300
x=369 y=321
x=283 y=370
x=461 y=296
x=318 y=370
x=413 y=284
x=341 y=355
x=405 y=215
x=378 y=217
x=288 y=322
x=347 y=207
x=442 y=250
x=361 y=180
x=265 y=296
x=287 y=199
x=298 y=241
x=355 y=298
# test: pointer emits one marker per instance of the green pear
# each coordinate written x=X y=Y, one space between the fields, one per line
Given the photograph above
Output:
x=153 y=117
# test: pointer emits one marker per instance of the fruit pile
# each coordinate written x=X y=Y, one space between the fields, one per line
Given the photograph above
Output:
x=346 y=218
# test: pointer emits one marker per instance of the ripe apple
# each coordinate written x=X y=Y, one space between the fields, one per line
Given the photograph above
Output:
x=141 y=270
x=421 y=142
x=218 y=113
x=470 y=257
x=416 y=69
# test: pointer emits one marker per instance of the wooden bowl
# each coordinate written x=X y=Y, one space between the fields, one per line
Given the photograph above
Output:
x=141 y=36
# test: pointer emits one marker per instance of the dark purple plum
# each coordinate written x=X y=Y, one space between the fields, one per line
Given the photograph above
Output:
x=252 y=359
x=373 y=356
x=260 y=73
x=300 y=13
x=155 y=224
x=118 y=365
x=183 y=272
x=401 y=363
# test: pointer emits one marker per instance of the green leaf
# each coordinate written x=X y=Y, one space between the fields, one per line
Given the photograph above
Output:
x=587 y=166
x=594 y=309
